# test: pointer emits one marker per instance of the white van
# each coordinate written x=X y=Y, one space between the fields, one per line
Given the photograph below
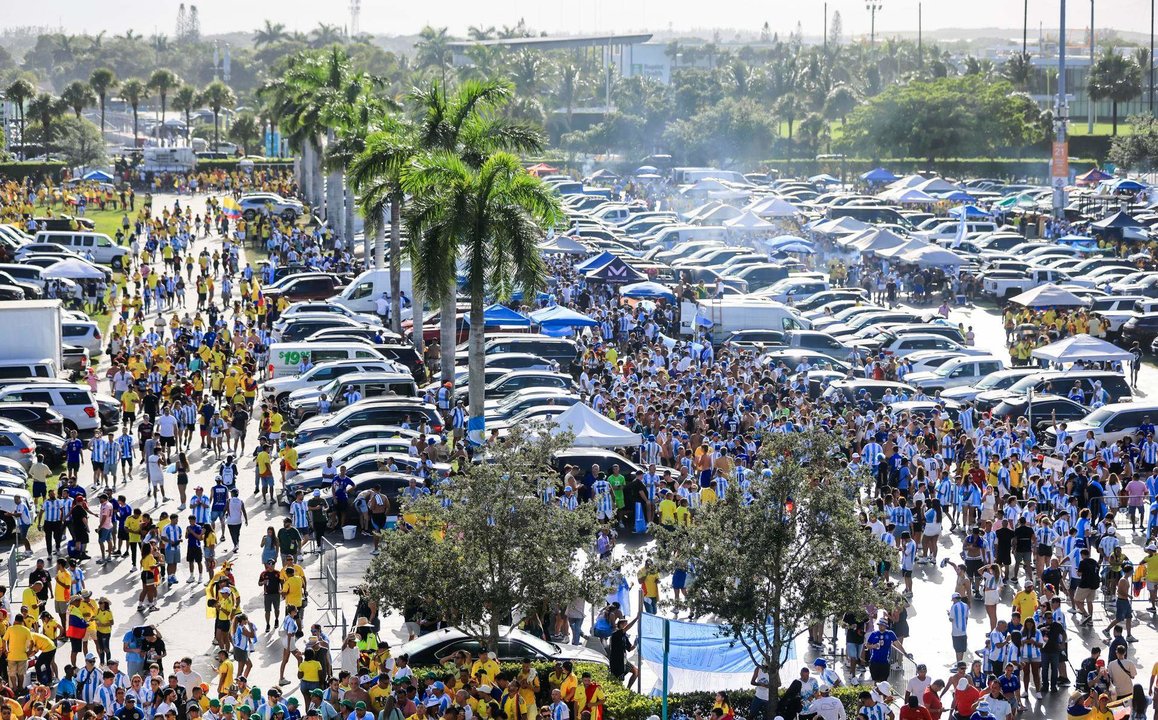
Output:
x=739 y=312
x=285 y=358
x=362 y=294
x=100 y=246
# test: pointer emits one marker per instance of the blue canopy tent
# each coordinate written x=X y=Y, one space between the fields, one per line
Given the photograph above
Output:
x=1126 y=185
x=956 y=196
x=558 y=320
x=596 y=262
x=878 y=175
x=617 y=272
x=970 y=211
x=648 y=290
x=1118 y=220
x=786 y=240
x=502 y=316
x=98 y=175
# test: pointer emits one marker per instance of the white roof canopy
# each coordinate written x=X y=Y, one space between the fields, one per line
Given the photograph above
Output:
x=1082 y=347
x=592 y=429
x=1048 y=295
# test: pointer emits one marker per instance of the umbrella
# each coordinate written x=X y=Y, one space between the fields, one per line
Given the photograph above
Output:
x=98 y=175
x=796 y=247
x=648 y=289
x=72 y=269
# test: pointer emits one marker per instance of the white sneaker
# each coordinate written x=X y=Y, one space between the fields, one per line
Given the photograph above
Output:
x=190 y=579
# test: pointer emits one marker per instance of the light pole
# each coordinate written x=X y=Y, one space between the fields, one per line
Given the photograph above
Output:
x=1090 y=101
x=1151 y=73
x=872 y=7
x=1060 y=165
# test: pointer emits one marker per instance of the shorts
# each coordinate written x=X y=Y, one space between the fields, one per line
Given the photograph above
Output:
x=854 y=650
x=39 y=489
x=168 y=441
x=221 y=625
x=907 y=573
x=267 y=481
x=1045 y=551
x=104 y=534
x=172 y=555
x=1083 y=594
x=193 y=555
x=271 y=602
x=73 y=465
x=148 y=578
x=240 y=656
x=1122 y=609
x=960 y=643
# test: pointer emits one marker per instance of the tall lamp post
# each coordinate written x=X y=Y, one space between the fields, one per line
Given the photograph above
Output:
x=1089 y=101
x=1060 y=164
x=872 y=7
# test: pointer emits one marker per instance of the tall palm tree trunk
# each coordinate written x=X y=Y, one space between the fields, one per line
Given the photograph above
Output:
x=334 y=211
x=476 y=422
x=396 y=267
x=302 y=172
x=380 y=248
x=448 y=334
x=348 y=218
x=316 y=174
x=418 y=315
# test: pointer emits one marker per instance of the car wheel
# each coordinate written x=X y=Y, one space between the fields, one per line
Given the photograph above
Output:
x=7 y=527
x=69 y=426
x=118 y=263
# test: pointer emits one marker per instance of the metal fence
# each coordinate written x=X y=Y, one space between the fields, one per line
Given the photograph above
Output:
x=333 y=617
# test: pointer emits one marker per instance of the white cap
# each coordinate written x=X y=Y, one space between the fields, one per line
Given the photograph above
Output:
x=884 y=688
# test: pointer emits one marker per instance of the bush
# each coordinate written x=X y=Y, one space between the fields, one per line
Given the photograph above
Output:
x=626 y=704
x=36 y=170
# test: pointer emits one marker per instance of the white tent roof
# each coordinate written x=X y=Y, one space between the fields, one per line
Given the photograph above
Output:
x=1082 y=347
x=749 y=220
x=773 y=207
x=898 y=250
x=936 y=185
x=718 y=215
x=705 y=185
x=1048 y=295
x=878 y=240
x=907 y=181
x=840 y=226
x=701 y=209
x=933 y=256
x=563 y=244
x=72 y=269
x=592 y=429
x=907 y=196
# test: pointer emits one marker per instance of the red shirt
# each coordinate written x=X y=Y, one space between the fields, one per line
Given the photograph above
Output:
x=964 y=700
x=932 y=702
x=914 y=713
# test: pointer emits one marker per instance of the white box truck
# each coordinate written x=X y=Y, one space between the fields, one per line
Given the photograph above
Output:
x=31 y=330
x=738 y=312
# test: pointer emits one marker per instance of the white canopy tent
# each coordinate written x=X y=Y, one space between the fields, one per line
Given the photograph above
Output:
x=772 y=206
x=933 y=256
x=907 y=181
x=592 y=429
x=717 y=215
x=878 y=240
x=936 y=185
x=910 y=196
x=563 y=244
x=1082 y=347
x=898 y=250
x=749 y=221
x=1048 y=295
x=72 y=269
x=839 y=226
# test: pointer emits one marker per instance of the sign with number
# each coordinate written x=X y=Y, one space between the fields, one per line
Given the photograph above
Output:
x=1061 y=160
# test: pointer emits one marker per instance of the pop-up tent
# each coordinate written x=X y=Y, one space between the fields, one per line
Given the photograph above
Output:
x=971 y=211
x=878 y=175
x=1077 y=348
x=648 y=290
x=617 y=272
x=1117 y=221
x=749 y=222
x=72 y=269
x=593 y=430
x=502 y=316
x=98 y=175
x=1048 y=295
x=596 y=262
x=773 y=206
x=559 y=316
x=563 y=245
x=1092 y=177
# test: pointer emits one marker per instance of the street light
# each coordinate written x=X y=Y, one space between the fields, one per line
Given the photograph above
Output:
x=872 y=7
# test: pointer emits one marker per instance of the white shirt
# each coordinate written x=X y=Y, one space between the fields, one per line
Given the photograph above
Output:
x=828 y=708
x=917 y=687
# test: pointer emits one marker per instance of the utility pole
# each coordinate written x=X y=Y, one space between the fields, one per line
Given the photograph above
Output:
x=872 y=7
x=1025 y=28
x=826 y=27
x=1090 y=101
x=920 y=26
x=1060 y=167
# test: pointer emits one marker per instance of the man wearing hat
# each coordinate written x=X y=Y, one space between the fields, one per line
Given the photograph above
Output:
x=826 y=707
x=130 y=711
x=315 y=703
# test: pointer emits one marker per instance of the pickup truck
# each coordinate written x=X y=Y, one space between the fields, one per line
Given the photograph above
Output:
x=1003 y=284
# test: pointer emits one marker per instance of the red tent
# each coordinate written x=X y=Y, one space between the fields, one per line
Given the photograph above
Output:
x=1093 y=177
x=541 y=169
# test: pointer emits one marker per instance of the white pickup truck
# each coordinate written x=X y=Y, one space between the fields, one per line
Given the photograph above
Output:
x=1002 y=284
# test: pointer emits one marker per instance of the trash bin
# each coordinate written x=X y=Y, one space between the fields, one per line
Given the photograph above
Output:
x=349 y=532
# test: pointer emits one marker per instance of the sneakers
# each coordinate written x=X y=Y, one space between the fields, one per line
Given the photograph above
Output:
x=1131 y=638
x=190 y=579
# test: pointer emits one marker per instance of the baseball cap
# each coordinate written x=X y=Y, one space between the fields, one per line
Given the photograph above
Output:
x=884 y=688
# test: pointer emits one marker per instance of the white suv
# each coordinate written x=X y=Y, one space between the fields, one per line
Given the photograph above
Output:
x=1113 y=422
x=74 y=402
x=253 y=204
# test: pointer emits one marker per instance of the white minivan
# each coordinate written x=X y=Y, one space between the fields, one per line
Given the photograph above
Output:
x=286 y=358
x=101 y=247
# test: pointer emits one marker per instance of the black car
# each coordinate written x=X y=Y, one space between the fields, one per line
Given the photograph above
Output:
x=388 y=482
x=1143 y=329
x=11 y=292
x=64 y=223
x=1041 y=412
x=35 y=416
x=51 y=447
x=109 y=410
x=75 y=360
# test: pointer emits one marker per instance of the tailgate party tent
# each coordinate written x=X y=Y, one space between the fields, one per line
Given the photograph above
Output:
x=594 y=430
x=1078 y=348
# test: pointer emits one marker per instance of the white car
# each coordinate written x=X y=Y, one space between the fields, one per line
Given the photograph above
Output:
x=1113 y=422
x=959 y=371
x=929 y=360
x=343 y=454
x=994 y=381
x=253 y=204
x=83 y=333
x=315 y=307
x=354 y=435
x=279 y=389
x=904 y=345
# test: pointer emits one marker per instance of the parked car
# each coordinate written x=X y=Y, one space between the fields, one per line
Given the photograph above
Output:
x=1110 y=423
x=35 y=416
x=513 y=646
x=1041 y=412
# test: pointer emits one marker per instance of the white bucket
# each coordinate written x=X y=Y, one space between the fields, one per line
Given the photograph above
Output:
x=349 y=532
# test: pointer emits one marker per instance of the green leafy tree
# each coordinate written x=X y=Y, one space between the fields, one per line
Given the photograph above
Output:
x=1137 y=149
x=1019 y=69
x=45 y=110
x=80 y=142
x=78 y=96
x=102 y=81
x=841 y=101
x=794 y=556
x=729 y=132
x=497 y=546
x=245 y=132
x=19 y=93
x=1116 y=78
x=433 y=51
x=162 y=82
x=217 y=96
x=134 y=92
x=185 y=101
x=269 y=34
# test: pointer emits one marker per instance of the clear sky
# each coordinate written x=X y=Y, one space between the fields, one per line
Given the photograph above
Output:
x=395 y=17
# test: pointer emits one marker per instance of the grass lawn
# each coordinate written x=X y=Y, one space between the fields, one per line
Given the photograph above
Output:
x=106 y=221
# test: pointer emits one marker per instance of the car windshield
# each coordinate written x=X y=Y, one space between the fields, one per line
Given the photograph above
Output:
x=947 y=369
x=1098 y=417
x=991 y=381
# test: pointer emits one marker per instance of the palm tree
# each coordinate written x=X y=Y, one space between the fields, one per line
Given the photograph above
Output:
x=45 y=109
x=466 y=125
x=493 y=215
x=841 y=101
x=134 y=93
x=78 y=96
x=376 y=173
x=161 y=82
x=102 y=81
x=185 y=100
x=269 y=34
x=788 y=107
x=1115 y=78
x=325 y=35
x=245 y=131
x=568 y=89
x=433 y=50
x=218 y=97
x=1019 y=69
x=20 y=92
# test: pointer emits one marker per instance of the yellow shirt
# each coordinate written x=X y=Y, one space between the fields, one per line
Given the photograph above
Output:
x=292 y=586
x=650 y=582
x=667 y=512
x=708 y=496
x=275 y=422
x=378 y=694
x=1151 y=565
x=225 y=673
x=311 y=671
x=62 y=590
x=104 y=621
x=1025 y=602
x=17 y=639
x=489 y=669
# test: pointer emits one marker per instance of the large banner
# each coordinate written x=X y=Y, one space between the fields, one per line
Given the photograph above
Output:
x=699 y=657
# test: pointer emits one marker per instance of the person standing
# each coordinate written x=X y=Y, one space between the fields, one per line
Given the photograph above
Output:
x=235 y=515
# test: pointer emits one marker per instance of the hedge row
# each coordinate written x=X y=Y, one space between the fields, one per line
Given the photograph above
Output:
x=36 y=170
x=625 y=704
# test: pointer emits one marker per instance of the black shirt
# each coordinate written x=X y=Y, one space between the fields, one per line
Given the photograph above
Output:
x=1023 y=539
x=1088 y=577
x=40 y=574
x=1055 y=637
x=1004 y=540
x=130 y=713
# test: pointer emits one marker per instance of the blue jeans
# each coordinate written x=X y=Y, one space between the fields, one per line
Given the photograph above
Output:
x=576 y=630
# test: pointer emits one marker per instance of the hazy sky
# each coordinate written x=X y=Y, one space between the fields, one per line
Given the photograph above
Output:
x=405 y=17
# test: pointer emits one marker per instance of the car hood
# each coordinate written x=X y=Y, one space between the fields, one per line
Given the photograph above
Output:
x=304 y=395
x=922 y=376
x=580 y=653
x=958 y=393
x=1077 y=428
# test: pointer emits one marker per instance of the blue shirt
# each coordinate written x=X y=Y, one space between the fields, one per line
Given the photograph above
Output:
x=886 y=640
x=72 y=450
